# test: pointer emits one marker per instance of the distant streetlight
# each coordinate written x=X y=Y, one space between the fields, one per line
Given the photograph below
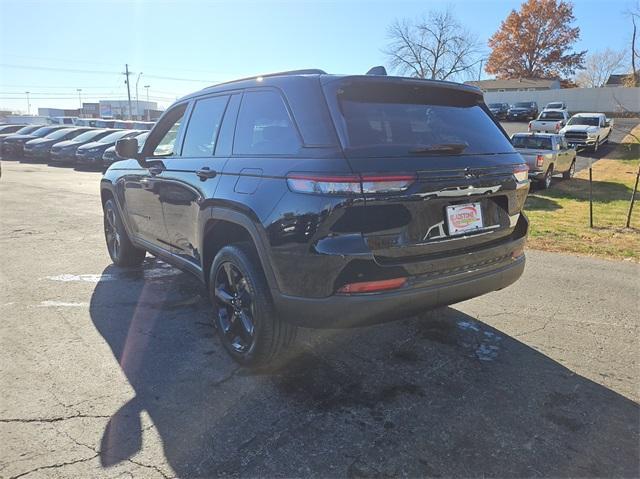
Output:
x=79 y=90
x=28 y=104
x=148 y=113
x=137 y=102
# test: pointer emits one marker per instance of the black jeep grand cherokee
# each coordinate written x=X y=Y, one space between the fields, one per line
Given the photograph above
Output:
x=302 y=198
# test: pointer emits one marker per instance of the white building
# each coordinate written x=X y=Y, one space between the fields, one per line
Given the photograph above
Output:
x=120 y=108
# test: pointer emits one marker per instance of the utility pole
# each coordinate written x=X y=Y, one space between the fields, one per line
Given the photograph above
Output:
x=137 y=101
x=127 y=73
x=79 y=90
x=28 y=104
x=148 y=112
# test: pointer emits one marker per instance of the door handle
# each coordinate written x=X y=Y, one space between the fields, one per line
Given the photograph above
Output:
x=205 y=173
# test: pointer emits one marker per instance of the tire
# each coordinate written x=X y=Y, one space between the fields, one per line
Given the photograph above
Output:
x=121 y=249
x=567 y=175
x=253 y=335
x=545 y=183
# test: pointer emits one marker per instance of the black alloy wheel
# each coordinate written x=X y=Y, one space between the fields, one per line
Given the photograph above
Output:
x=121 y=250
x=111 y=233
x=234 y=302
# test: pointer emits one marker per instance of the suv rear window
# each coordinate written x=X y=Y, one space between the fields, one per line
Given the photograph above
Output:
x=387 y=120
x=264 y=126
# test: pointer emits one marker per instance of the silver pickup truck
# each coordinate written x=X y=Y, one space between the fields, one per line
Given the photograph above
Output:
x=549 y=121
x=546 y=154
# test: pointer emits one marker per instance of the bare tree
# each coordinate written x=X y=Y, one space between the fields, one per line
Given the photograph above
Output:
x=599 y=66
x=436 y=47
x=634 y=13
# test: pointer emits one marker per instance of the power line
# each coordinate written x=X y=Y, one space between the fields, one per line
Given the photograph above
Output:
x=68 y=70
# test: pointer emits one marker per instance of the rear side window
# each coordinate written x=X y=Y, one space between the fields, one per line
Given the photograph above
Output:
x=264 y=126
x=202 y=130
x=397 y=120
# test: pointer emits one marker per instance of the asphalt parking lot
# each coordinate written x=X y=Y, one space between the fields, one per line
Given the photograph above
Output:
x=118 y=373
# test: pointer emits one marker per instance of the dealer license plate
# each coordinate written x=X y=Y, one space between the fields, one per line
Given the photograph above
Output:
x=464 y=218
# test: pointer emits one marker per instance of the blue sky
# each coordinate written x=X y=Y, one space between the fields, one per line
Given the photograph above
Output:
x=52 y=48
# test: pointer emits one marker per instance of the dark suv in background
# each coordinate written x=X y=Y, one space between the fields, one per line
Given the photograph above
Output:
x=524 y=111
x=303 y=198
x=499 y=110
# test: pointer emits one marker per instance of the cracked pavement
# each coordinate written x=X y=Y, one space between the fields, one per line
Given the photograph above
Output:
x=113 y=373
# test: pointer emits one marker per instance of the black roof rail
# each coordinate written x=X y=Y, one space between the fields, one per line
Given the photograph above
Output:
x=308 y=71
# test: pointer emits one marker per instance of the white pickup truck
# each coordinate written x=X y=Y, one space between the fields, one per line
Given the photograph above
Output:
x=587 y=130
x=549 y=121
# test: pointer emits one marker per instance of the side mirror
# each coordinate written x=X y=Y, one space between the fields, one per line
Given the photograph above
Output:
x=128 y=148
x=607 y=123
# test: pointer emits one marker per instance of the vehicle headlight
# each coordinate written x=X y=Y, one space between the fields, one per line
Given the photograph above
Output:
x=591 y=134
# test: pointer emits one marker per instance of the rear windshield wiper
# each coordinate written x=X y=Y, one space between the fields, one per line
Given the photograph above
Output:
x=439 y=148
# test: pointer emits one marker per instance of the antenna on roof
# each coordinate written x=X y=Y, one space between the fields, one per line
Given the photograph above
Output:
x=379 y=70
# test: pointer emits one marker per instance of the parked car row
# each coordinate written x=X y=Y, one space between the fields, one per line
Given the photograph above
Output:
x=524 y=110
x=64 y=144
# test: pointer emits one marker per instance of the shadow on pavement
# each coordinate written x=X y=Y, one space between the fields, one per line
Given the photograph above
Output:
x=445 y=395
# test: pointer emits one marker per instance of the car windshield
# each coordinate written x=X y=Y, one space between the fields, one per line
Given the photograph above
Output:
x=551 y=115
x=528 y=142
x=27 y=129
x=584 y=120
x=388 y=120
x=88 y=135
x=113 y=137
x=45 y=130
x=523 y=105
x=555 y=105
x=56 y=135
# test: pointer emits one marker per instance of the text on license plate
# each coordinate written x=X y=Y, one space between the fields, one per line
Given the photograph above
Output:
x=464 y=218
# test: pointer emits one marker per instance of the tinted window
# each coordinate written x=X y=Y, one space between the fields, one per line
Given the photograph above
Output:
x=202 y=131
x=59 y=134
x=27 y=129
x=45 y=130
x=9 y=128
x=532 y=142
x=393 y=120
x=264 y=126
x=584 y=120
x=90 y=135
x=523 y=105
x=113 y=137
x=551 y=115
x=168 y=128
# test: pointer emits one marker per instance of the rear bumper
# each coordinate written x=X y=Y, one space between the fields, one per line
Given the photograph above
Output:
x=536 y=174
x=343 y=311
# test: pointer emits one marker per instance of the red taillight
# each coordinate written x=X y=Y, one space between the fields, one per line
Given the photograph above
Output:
x=348 y=184
x=558 y=126
x=372 y=286
x=521 y=173
x=529 y=127
x=539 y=161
